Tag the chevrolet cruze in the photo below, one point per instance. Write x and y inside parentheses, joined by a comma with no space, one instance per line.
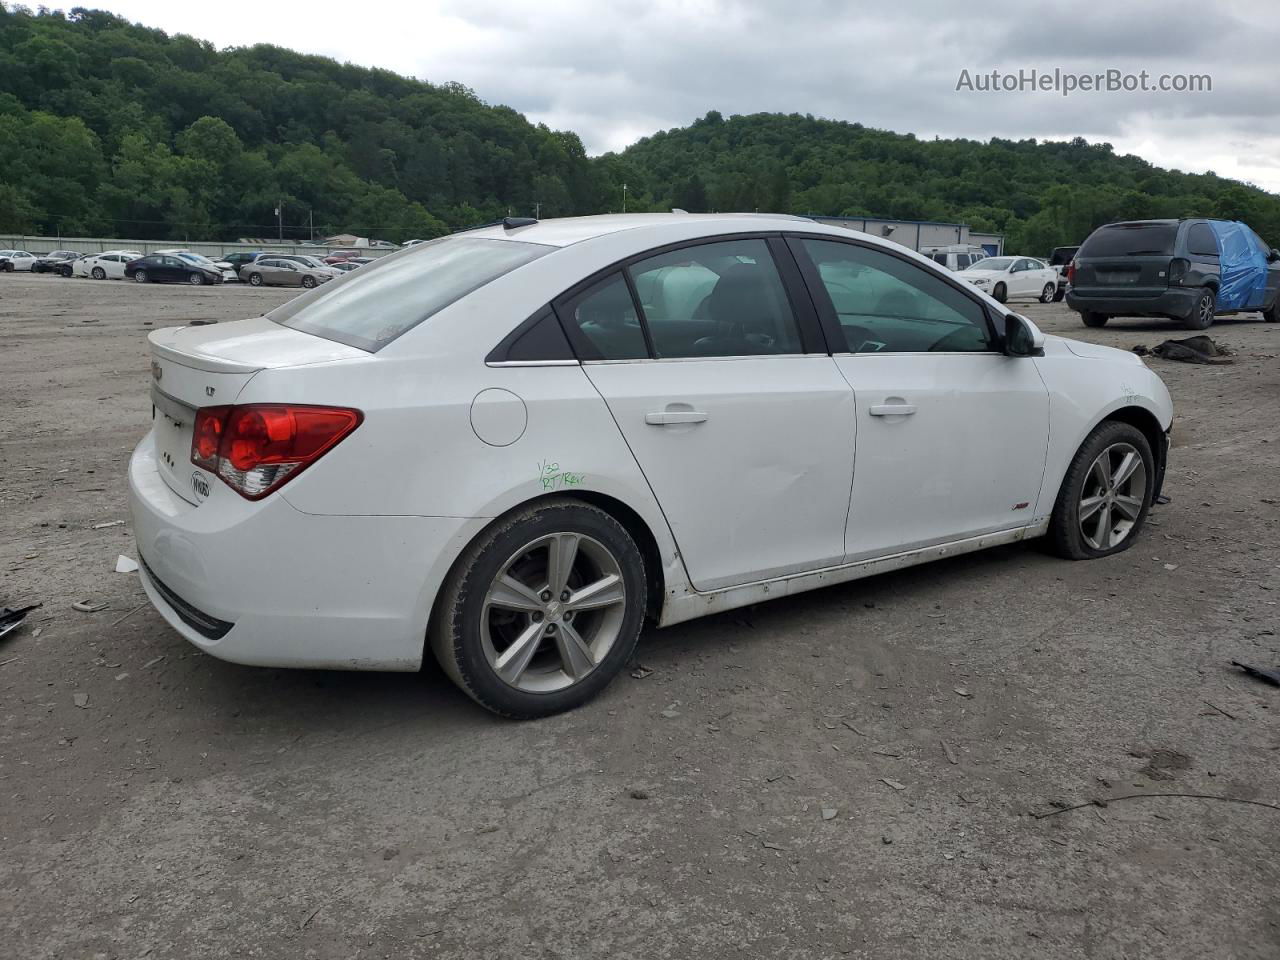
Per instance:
(515,446)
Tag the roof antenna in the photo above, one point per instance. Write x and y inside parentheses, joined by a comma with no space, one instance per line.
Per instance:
(511,223)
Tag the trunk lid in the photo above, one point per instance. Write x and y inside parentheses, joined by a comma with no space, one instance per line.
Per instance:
(1131,272)
(206,366)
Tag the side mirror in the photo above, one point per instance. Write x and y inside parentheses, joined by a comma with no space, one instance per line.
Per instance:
(1022,338)
(1273,255)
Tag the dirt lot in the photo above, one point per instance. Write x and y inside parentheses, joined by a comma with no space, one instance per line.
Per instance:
(193,808)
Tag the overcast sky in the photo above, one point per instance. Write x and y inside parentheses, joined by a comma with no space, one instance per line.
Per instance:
(616,71)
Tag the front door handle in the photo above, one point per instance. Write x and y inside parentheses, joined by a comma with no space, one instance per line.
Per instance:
(674,416)
(892,409)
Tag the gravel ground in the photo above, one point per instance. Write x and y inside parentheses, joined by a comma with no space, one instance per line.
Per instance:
(157,802)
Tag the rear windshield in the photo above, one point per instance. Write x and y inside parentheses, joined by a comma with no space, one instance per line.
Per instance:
(1130,240)
(370,307)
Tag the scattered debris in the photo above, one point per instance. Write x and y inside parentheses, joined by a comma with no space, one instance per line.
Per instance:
(1163,499)
(1266,676)
(1229,716)
(829,813)
(1199,349)
(126,564)
(88,606)
(641,671)
(311,916)
(637,794)
(120,620)
(887,753)
(390,853)
(853,728)
(962,691)
(81,700)
(769,845)
(1149,796)
(152,662)
(893,783)
(109,523)
(10,617)
(4,663)
(671,712)
(1165,765)
(886,840)
(946,748)
(1171,566)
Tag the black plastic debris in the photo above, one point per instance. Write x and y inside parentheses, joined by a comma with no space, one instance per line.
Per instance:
(10,617)
(1266,676)
(1200,349)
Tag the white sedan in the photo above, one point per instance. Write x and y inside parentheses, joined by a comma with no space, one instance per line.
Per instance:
(1009,278)
(515,446)
(13,260)
(105,266)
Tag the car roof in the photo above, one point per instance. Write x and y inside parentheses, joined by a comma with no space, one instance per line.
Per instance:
(565,231)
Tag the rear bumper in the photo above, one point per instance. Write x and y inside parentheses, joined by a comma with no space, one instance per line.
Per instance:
(265,584)
(1173,302)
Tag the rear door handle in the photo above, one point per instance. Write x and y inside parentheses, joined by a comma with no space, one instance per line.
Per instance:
(674,416)
(892,409)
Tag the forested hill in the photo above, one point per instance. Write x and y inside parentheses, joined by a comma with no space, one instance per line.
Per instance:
(110,128)
(1041,195)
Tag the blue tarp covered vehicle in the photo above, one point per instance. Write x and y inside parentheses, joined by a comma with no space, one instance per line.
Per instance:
(1243,284)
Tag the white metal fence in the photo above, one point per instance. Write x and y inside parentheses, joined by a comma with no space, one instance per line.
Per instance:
(207,248)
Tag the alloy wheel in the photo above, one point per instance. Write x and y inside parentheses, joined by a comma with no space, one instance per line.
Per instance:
(552,612)
(1206,310)
(1112,497)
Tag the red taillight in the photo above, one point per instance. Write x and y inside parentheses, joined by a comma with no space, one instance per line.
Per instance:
(1178,268)
(1071,272)
(257,447)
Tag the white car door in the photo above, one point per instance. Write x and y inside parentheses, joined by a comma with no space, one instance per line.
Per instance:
(1028,278)
(724,391)
(951,433)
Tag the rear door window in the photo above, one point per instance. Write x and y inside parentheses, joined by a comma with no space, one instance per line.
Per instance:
(1201,240)
(1130,240)
(606,317)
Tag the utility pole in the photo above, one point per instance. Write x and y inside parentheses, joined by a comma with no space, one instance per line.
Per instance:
(624,198)
(537,209)
(280,219)
(311,225)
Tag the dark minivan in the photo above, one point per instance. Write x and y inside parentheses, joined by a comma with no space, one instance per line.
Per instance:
(1186,270)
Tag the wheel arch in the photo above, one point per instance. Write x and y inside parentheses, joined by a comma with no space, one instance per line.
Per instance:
(1145,421)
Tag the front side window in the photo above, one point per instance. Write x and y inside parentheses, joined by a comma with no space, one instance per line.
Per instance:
(887,305)
(370,307)
(722,299)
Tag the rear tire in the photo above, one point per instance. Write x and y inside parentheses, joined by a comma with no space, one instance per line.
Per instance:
(1047,294)
(99,274)
(1101,509)
(140,276)
(1060,294)
(1201,315)
(308,282)
(1094,319)
(255,279)
(1000,293)
(1272,313)
(196,279)
(498,601)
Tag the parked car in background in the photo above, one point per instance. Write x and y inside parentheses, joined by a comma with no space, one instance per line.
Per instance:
(957,256)
(313,263)
(238,260)
(1013,278)
(167,268)
(412,243)
(346,266)
(645,417)
(67,268)
(338,255)
(1187,270)
(11,260)
(222,266)
(1060,260)
(106,266)
(278,272)
(48,262)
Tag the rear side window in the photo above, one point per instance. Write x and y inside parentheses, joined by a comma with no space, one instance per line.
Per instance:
(606,316)
(722,299)
(1201,241)
(370,307)
(1131,240)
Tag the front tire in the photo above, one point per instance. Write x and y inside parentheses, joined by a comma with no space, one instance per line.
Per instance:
(542,610)
(196,279)
(1201,315)
(255,279)
(1092,319)
(309,282)
(140,276)
(1001,293)
(1105,495)
(1272,313)
(1047,294)
(99,274)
